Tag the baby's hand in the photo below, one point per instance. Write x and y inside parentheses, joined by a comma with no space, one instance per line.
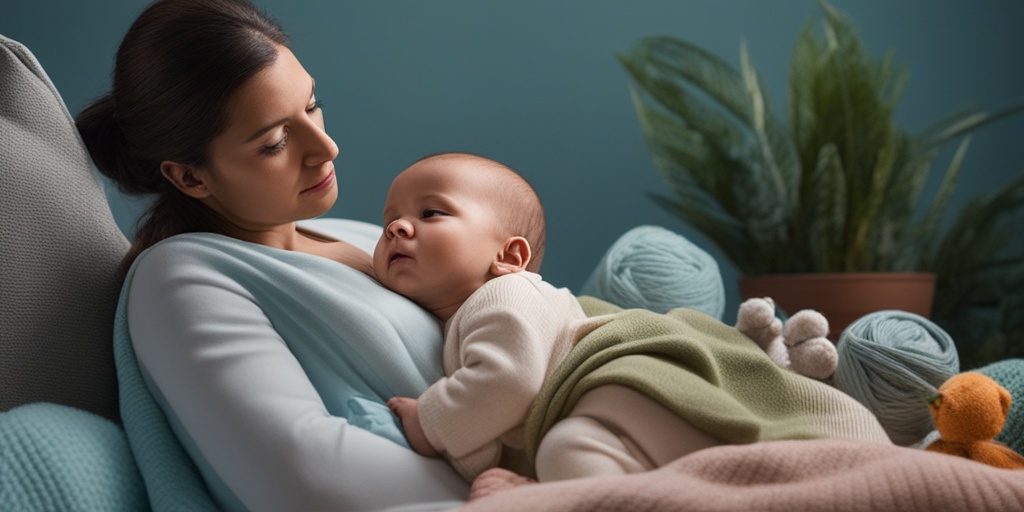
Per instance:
(407,410)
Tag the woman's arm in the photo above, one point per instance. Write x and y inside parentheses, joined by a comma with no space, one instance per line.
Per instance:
(246,409)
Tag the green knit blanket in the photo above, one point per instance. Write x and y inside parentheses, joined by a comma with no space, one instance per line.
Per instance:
(707,372)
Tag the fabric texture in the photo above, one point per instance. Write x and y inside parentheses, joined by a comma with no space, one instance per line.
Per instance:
(650,267)
(59,250)
(812,476)
(238,344)
(499,346)
(54,457)
(615,430)
(891,361)
(172,481)
(712,375)
(834,413)
(1009,373)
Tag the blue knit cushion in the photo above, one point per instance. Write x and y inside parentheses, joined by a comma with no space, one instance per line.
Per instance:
(54,457)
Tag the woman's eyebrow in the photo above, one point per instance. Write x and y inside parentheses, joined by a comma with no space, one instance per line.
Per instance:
(267,128)
(279,122)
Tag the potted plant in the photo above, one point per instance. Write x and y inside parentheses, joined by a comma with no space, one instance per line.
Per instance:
(835,192)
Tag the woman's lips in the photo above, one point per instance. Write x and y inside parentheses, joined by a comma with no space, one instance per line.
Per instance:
(324,183)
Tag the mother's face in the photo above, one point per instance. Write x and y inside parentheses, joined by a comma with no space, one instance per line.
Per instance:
(274,163)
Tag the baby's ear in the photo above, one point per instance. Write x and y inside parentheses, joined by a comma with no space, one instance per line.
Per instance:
(513,257)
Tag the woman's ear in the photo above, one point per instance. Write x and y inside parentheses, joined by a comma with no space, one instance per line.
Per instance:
(513,257)
(185,178)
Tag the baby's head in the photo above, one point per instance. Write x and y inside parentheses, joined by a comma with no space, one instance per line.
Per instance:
(452,222)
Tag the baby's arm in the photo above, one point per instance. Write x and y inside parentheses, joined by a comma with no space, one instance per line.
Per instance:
(504,338)
(407,410)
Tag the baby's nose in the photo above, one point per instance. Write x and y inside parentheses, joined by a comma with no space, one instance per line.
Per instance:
(399,227)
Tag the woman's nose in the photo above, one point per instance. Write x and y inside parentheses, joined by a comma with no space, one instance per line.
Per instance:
(322,148)
(400,228)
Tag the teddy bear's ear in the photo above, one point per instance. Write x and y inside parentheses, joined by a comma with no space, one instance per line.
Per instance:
(1005,399)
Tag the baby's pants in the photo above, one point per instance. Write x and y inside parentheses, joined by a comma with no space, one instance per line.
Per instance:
(614,430)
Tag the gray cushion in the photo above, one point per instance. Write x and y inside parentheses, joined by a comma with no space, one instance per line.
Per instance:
(59,250)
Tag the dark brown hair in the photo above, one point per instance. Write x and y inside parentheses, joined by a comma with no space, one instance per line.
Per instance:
(175,70)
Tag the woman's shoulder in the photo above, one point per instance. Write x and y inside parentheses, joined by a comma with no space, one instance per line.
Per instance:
(202,257)
(185,241)
(176,257)
(187,248)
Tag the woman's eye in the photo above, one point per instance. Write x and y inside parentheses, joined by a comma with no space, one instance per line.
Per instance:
(276,148)
(317,105)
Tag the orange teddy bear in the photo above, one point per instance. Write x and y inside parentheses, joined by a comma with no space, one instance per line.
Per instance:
(969,411)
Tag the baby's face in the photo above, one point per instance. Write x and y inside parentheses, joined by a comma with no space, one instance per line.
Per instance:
(440,233)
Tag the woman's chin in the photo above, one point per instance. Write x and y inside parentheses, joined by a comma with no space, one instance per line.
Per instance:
(324,204)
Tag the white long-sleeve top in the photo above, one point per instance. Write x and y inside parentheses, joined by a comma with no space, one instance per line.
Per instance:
(498,348)
(244,406)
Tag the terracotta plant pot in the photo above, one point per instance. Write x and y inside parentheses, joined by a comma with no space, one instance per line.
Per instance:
(844,297)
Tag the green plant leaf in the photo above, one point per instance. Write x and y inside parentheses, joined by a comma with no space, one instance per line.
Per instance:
(825,230)
(840,188)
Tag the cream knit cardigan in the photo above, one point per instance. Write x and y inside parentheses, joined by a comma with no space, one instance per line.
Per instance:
(498,349)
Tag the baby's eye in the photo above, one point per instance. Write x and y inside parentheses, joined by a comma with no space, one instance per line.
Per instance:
(431,213)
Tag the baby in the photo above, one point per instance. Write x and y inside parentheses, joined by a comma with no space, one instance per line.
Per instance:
(463,238)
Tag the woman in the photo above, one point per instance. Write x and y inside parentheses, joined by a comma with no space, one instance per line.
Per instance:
(229,304)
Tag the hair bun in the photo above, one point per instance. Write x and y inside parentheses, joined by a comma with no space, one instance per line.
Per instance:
(109,149)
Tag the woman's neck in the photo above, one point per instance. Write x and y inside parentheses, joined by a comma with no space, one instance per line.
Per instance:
(284,236)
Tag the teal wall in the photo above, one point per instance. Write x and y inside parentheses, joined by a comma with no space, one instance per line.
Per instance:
(534,83)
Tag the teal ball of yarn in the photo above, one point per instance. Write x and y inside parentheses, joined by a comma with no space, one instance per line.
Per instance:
(650,267)
(1009,373)
(891,361)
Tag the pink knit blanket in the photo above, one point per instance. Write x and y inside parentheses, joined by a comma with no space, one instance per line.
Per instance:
(817,475)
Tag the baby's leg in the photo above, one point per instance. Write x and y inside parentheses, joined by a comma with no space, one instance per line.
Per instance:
(614,430)
(580,446)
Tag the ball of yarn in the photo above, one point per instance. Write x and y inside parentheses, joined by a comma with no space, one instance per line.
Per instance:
(891,361)
(652,268)
(1009,373)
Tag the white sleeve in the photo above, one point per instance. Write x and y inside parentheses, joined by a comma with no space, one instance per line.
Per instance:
(506,340)
(249,410)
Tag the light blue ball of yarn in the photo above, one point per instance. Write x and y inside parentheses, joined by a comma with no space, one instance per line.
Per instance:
(891,361)
(650,267)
